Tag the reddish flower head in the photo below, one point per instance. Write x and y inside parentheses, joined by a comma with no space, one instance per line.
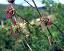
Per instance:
(11,1)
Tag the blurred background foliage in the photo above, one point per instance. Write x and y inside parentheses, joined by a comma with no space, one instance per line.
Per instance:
(39,39)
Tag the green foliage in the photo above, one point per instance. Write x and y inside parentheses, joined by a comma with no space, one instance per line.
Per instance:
(39,39)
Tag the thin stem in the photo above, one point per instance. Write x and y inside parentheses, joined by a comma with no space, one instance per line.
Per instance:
(58,28)
(28,3)
(36,8)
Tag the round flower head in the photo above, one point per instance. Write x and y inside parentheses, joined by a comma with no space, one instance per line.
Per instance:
(11,1)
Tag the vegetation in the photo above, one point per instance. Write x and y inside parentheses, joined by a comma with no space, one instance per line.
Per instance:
(28,35)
